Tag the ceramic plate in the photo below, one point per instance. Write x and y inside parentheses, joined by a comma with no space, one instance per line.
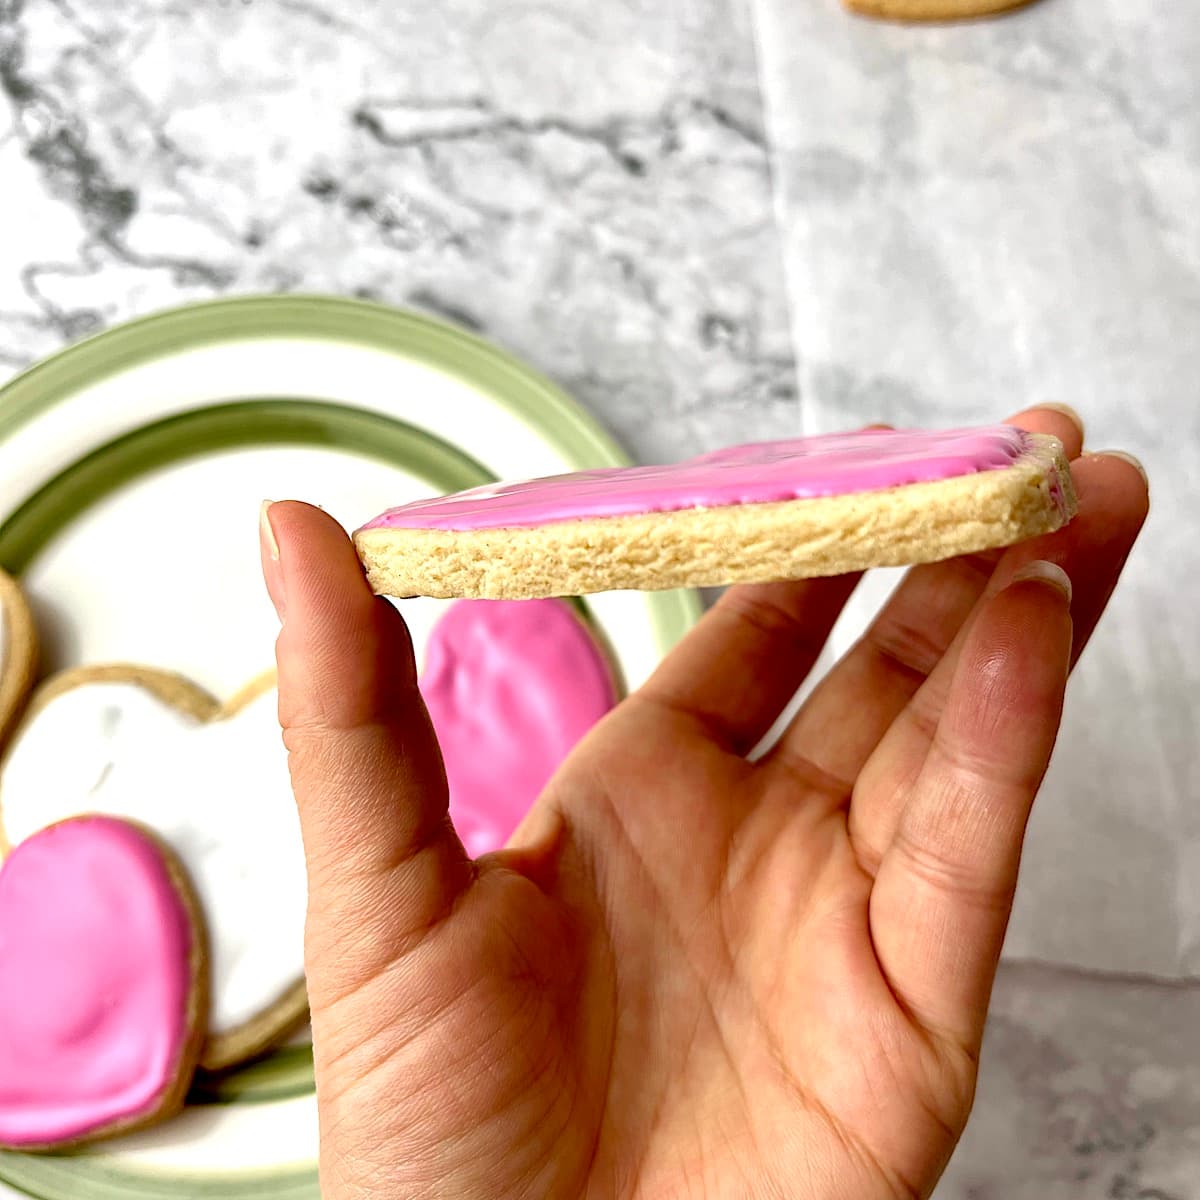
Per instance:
(132,467)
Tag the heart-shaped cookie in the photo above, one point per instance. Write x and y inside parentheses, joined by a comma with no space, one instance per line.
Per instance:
(102,984)
(212,782)
(18,654)
(511,687)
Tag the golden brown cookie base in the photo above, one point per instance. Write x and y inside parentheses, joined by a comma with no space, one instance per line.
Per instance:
(747,543)
(18,655)
(932,10)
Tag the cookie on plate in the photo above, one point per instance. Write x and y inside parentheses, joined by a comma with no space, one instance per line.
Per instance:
(18,653)
(774,510)
(212,782)
(103,984)
(511,686)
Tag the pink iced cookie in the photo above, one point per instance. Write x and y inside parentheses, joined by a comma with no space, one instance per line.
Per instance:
(775,510)
(511,686)
(102,984)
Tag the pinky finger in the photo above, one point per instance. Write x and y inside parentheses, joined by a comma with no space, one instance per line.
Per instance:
(943,893)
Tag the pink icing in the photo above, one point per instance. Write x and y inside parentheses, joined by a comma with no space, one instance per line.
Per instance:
(831,465)
(511,686)
(95,981)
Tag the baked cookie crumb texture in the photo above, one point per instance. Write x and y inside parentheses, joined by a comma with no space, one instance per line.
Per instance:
(933,10)
(18,655)
(786,510)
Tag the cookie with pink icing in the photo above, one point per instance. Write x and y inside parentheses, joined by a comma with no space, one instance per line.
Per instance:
(776,510)
(211,781)
(103,984)
(18,654)
(511,687)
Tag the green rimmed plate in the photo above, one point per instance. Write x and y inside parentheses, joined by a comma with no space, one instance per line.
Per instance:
(131,471)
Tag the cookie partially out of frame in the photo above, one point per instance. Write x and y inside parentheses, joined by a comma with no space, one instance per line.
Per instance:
(103,984)
(211,781)
(778,510)
(18,654)
(932,10)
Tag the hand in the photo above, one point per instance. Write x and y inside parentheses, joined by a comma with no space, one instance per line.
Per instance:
(689,974)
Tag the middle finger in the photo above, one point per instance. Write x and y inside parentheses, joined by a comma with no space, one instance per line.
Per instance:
(851,709)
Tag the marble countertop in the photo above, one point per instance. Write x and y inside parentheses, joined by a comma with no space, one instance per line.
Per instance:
(720,220)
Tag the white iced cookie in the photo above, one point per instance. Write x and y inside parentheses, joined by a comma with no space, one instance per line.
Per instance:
(18,654)
(212,782)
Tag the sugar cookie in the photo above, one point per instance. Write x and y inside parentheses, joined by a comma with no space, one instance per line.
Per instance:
(932,10)
(18,654)
(211,781)
(774,510)
(511,686)
(102,984)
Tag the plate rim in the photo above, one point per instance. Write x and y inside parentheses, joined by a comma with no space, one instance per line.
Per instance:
(503,377)
(264,315)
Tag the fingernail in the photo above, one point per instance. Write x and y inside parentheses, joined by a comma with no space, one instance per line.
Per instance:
(1068,412)
(1126,457)
(1040,571)
(272,572)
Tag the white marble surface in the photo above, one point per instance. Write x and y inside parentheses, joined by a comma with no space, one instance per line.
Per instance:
(978,217)
(587,184)
(680,211)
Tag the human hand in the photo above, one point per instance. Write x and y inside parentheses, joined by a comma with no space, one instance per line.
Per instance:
(689,974)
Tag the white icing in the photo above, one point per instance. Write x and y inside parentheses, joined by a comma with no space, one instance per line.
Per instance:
(218,794)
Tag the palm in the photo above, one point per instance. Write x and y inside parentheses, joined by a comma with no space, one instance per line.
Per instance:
(753,1040)
(646,1005)
(690,974)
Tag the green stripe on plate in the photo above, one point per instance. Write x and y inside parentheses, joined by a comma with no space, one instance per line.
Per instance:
(201,431)
(282,1075)
(74,1177)
(444,348)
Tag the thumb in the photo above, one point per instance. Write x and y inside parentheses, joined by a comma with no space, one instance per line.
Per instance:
(384,863)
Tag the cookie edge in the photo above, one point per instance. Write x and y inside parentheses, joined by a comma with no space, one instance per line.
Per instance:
(20,659)
(930,11)
(979,511)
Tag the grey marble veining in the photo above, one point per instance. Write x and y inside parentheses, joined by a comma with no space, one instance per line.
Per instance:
(1086,1092)
(586,184)
(970,218)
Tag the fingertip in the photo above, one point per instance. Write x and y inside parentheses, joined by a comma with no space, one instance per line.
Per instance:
(318,564)
(301,529)
(1058,420)
(1049,575)
(342,650)
(269,552)
(1127,461)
